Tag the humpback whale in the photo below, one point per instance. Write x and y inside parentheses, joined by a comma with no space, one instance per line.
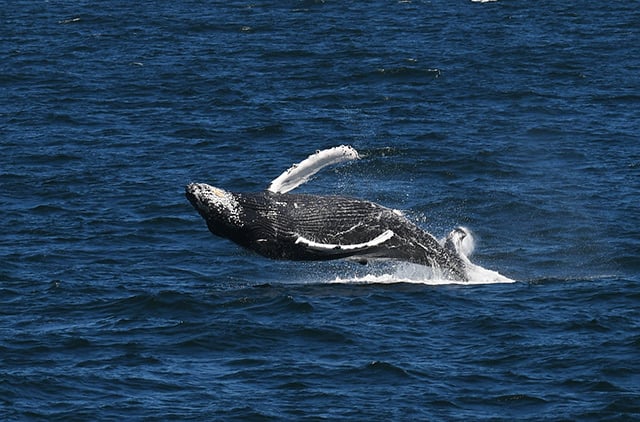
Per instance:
(303,227)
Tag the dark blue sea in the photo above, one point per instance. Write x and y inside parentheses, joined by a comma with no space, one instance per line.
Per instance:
(517,119)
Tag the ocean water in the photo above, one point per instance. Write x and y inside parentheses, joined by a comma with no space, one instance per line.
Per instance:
(517,119)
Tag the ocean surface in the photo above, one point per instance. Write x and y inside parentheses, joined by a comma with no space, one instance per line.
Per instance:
(517,119)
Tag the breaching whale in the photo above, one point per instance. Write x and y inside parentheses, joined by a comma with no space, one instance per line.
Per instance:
(282,225)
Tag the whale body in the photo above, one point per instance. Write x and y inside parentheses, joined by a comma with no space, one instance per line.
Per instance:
(277,224)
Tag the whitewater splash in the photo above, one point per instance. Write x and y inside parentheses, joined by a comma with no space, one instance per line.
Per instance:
(419,274)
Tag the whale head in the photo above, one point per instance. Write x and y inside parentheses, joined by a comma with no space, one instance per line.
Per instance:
(220,209)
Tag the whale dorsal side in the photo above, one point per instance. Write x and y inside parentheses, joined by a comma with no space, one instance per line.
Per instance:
(299,173)
(357,247)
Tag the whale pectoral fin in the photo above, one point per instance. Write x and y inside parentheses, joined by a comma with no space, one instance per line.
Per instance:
(339,249)
(301,172)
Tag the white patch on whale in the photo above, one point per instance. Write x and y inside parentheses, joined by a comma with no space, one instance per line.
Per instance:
(378,240)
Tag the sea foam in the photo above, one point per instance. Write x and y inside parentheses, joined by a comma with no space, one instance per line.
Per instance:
(404,272)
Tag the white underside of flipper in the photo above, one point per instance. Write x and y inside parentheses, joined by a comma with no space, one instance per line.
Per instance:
(333,247)
(301,172)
